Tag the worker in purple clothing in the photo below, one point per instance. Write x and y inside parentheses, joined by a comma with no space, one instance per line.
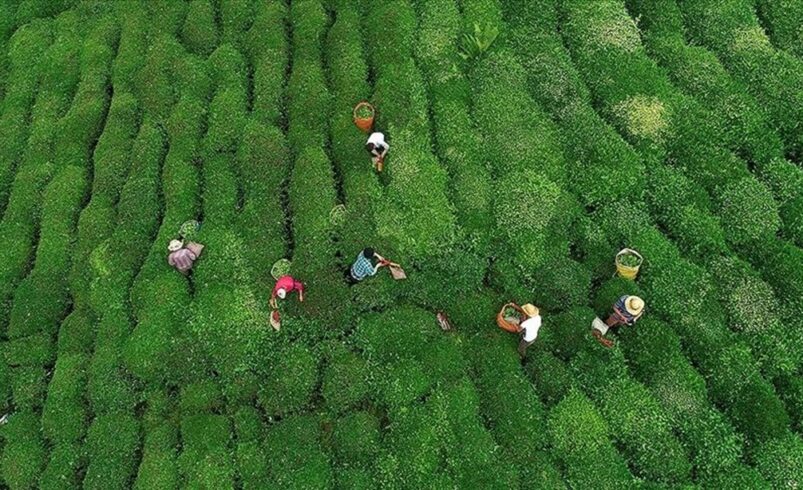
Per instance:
(182,257)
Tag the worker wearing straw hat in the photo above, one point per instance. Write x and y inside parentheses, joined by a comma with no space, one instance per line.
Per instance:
(529,328)
(182,257)
(626,311)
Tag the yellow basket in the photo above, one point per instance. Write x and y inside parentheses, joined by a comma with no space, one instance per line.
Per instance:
(628,271)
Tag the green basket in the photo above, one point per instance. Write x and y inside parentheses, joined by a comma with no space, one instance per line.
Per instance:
(280,268)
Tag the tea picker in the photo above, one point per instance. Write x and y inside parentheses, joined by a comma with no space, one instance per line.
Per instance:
(183,256)
(368,263)
(525,320)
(626,311)
(284,285)
(378,148)
(364,114)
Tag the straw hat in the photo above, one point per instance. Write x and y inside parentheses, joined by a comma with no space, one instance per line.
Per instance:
(530,310)
(281,293)
(634,305)
(175,245)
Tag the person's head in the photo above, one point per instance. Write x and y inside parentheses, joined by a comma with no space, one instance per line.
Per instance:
(530,310)
(368,253)
(369,147)
(634,305)
(281,293)
(175,245)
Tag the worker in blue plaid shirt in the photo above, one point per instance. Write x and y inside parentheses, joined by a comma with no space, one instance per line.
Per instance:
(365,266)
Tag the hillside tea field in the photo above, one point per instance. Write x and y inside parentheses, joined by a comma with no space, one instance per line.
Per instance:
(530,141)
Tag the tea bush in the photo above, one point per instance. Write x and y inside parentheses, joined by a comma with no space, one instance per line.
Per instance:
(347,72)
(291,381)
(204,460)
(28,43)
(112,442)
(732,30)
(199,32)
(345,380)
(782,20)
(267,48)
(24,452)
(579,436)
(296,457)
(157,468)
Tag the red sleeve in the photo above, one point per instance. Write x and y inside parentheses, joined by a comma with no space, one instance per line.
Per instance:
(299,286)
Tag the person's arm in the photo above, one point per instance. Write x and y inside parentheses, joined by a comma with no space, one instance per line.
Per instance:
(272,301)
(385,149)
(301,291)
(382,262)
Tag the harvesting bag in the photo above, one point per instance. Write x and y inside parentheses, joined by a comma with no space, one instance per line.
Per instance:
(275,321)
(397,272)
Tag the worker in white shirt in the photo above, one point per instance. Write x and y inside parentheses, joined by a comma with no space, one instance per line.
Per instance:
(529,328)
(378,148)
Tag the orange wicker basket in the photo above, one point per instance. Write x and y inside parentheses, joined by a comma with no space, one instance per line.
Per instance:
(364,123)
(504,324)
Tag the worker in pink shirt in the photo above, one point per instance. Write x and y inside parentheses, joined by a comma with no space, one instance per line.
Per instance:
(182,256)
(286,284)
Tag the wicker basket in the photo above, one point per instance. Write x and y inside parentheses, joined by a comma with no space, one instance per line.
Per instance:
(504,324)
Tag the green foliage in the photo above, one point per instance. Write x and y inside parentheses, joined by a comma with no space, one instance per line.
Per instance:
(748,212)
(112,442)
(476,43)
(732,30)
(640,423)
(530,213)
(24,455)
(199,32)
(415,214)
(345,380)
(781,461)
(356,438)
(60,473)
(297,460)
(530,141)
(158,468)
(580,440)
(64,417)
(290,382)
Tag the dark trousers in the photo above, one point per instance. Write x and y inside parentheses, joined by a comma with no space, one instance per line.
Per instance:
(349,278)
(523,344)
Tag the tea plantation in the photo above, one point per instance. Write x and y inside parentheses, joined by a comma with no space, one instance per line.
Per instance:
(530,141)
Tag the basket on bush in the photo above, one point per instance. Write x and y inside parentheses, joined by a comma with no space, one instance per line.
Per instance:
(510,317)
(280,268)
(364,116)
(628,262)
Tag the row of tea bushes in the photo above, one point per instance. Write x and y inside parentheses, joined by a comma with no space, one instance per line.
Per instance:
(741,120)
(22,84)
(24,456)
(732,30)
(414,214)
